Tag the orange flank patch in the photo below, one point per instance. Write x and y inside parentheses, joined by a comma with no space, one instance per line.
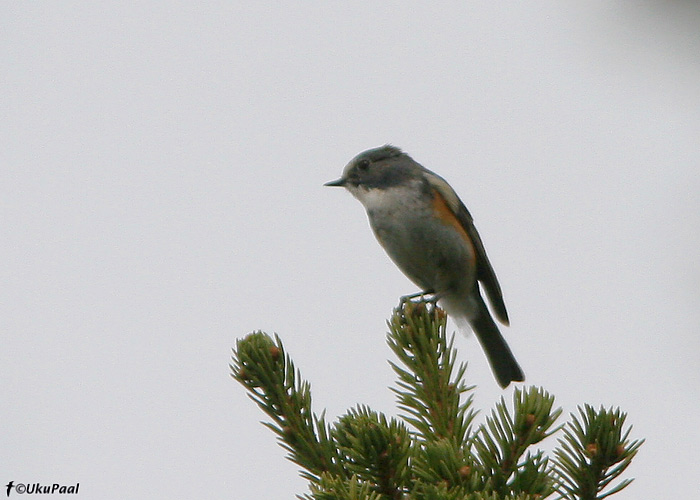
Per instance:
(445,214)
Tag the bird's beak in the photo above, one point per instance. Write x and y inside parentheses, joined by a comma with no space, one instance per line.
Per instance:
(339,183)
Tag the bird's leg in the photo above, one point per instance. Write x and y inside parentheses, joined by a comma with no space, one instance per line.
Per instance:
(427,300)
(433,299)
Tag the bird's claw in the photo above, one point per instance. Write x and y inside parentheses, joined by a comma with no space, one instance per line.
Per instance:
(426,296)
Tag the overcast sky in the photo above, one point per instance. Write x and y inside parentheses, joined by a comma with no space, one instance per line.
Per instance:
(161,196)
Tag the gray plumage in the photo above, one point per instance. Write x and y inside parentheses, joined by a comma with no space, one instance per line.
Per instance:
(430,235)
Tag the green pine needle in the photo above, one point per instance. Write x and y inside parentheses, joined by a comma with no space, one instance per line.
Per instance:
(433,452)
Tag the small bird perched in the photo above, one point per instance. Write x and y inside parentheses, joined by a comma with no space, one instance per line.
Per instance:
(429,234)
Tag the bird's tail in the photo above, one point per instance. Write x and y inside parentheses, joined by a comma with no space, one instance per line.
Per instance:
(500,357)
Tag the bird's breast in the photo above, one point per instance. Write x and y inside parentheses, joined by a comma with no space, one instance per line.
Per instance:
(423,243)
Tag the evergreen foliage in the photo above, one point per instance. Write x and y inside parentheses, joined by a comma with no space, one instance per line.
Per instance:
(434,451)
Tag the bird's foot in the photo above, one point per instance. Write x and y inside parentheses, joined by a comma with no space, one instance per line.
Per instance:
(426,296)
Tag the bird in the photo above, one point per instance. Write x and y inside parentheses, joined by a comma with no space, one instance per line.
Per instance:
(430,235)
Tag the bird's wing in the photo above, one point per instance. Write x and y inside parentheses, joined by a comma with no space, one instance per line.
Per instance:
(484,271)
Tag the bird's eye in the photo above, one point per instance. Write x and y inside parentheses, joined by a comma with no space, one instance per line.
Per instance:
(363,164)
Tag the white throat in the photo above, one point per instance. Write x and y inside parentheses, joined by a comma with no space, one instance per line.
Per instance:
(375,199)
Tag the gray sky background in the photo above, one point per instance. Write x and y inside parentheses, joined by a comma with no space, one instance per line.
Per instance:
(161,196)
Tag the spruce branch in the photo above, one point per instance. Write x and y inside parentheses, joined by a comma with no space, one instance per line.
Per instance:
(594,452)
(429,390)
(377,450)
(261,365)
(504,438)
(433,451)
(331,487)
